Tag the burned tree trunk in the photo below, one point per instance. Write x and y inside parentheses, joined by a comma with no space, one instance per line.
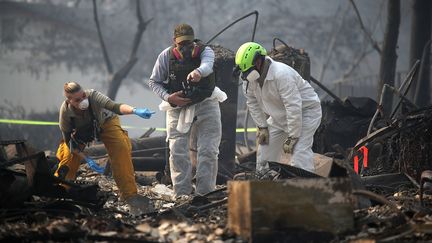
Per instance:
(117,77)
(420,35)
(389,56)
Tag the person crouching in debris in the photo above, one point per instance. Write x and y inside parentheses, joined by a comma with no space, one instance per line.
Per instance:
(283,105)
(183,78)
(88,115)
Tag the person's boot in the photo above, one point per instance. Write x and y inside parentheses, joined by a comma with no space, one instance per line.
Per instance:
(139,204)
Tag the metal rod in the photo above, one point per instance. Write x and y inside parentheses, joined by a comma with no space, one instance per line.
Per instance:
(379,108)
(410,73)
(373,120)
(409,77)
(404,98)
(255,12)
(326,90)
(281,41)
(149,151)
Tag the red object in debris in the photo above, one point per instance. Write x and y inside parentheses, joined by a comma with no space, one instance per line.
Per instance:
(363,150)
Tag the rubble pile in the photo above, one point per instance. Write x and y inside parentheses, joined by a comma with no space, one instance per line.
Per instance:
(42,218)
(343,124)
(189,219)
(382,223)
(222,53)
(394,183)
(404,145)
(415,142)
(296,58)
(192,219)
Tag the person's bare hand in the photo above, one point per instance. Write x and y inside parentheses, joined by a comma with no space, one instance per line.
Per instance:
(178,99)
(194,76)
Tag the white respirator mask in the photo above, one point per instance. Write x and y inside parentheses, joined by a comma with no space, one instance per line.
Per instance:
(252,76)
(84,104)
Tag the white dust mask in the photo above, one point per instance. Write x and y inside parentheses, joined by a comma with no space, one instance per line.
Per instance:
(253,76)
(84,104)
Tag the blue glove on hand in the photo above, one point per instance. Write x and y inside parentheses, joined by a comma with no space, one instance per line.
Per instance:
(92,164)
(143,112)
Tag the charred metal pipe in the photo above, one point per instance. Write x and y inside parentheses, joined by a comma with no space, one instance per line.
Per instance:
(403,97)
(326,90)
(408,82)
(149,152)
(378,110)
(99,150)
(234,22)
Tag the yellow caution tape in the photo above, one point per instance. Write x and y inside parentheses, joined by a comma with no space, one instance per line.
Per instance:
(249,129)
(48,123)
(28,122)
(159,129)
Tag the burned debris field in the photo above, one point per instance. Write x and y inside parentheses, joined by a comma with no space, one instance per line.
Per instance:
(390,202)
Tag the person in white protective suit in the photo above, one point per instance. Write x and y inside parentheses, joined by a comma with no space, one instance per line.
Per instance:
(183,78)
(284,106)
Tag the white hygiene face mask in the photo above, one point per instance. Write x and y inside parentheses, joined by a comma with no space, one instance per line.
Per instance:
(84,104)
(253,76)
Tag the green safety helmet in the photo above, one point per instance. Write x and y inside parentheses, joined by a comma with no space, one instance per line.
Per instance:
(247,54)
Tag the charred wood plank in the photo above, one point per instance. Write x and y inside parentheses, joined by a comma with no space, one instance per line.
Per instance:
(4,164)
(260,207)
(148,164)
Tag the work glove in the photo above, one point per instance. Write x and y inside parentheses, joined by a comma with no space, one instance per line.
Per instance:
(143,112)
(262,135)
(288,146)
(94,166)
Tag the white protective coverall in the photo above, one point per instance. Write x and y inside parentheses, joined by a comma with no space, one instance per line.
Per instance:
(289,107)
(205,115)
(206,118)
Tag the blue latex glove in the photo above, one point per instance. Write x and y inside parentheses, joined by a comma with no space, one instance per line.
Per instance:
(94,166)
(143,112)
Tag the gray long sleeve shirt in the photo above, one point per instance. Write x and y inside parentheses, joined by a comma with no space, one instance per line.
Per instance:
(159,76)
